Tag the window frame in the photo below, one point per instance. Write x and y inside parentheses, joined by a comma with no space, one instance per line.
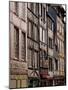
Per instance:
(23,59)
(56,64)
(43,9)
(33,31)
(50,23)
(16,49)
(50,43)
(50,64)
(43,37)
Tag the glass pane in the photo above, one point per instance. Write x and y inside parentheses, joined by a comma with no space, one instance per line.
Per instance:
(16,41)
(18,84)
(23,50)
(44,36)
(35,33)
(29,55)
(35,58)
(40,34)
(29,29)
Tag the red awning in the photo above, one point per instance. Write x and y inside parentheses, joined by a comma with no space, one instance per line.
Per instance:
(46,75)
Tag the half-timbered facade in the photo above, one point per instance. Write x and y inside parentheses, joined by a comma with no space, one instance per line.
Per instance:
(36,45)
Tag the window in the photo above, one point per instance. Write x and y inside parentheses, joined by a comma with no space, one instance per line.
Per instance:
(36,59)
(29,28)
(35,32)
(43,35)
(50,43)
(50,64)
(18,83)
(50,24)
(41,10)
(56,64)
(29,56)
(61,65)
(23,47)
(42,58)
(43,13)
(23,11)
(32,7)
(58,41)
(32,58)
(37,9)
(16,8)
(16,41)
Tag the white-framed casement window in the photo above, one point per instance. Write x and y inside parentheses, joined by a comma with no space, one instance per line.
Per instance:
(16,41)
(43,35)
(23,46)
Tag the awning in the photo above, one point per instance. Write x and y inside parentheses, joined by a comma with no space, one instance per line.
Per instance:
(45,75)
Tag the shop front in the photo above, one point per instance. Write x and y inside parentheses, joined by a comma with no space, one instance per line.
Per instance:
(59,80)
(46,79)
(33,82)
(33,78)
(18,75)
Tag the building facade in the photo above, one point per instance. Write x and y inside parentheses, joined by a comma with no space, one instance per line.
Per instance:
(36,45)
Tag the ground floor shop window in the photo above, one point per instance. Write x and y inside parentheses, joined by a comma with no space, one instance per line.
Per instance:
(33,82)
